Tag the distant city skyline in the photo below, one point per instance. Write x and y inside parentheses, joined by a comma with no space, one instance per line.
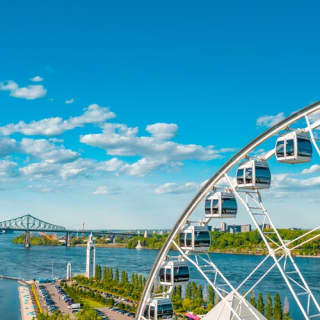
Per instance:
(114,116)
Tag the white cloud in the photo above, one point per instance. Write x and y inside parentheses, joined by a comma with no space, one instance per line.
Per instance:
(293,183)
(40,169)
(162,131)
(104,190)
(80,167)
(56,126)
(67,170)
(44,150)
(36,79)
(155,151)
(69,101)
(8,169)
(143,166)
(175,188)
(30,92)
(312,169)
(111,165)
(269,121)
(7,146)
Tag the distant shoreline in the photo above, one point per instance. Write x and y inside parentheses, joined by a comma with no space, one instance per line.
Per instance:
(123,246)
(104,245)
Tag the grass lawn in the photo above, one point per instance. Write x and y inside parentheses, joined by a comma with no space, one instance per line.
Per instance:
(92,304)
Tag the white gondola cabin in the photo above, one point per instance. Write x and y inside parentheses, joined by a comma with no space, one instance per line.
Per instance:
(159,308)
(294,147)
(254,174)
(220,205)
(173,272)
(195,238)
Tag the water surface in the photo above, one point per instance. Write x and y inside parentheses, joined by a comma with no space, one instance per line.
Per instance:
(43,262)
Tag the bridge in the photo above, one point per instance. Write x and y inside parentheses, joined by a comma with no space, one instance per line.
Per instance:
(29,223)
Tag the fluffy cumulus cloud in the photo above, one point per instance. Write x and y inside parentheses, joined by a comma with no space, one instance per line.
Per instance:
(8,169)
(111,165)
(44,150)
(175,188)
(48,158)
(65,171)
(292,183)
(30,92)
(105,190)
(314,168)
(155,150)
(269,121)
(80,167)
(144,166)
(36,79)
(7,146)
(56,125)
(40,169)
(162,131)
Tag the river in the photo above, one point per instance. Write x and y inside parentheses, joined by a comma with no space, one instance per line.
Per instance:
(43,262)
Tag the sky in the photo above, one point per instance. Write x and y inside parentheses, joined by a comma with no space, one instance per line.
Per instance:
(114,113)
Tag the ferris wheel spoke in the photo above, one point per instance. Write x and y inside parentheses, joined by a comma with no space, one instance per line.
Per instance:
(224,298)
(312,135)
(272,251)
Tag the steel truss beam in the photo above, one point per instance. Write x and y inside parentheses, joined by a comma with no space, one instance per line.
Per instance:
(29,223)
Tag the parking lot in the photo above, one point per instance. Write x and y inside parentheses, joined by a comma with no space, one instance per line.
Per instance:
(45,299)
(112,314)
(53,297)
(60,300)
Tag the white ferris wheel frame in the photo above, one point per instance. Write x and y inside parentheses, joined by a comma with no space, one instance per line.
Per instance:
(253,204)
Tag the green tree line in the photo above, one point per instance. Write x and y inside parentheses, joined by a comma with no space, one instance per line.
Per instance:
(244,242)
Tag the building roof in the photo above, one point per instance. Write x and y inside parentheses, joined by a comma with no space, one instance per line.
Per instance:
(222,312)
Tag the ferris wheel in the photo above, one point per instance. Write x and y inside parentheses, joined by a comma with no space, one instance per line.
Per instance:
(191,239)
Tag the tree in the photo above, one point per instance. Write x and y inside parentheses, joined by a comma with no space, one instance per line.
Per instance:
(277,309)
(260,304)
(253,299)
(117,275)
(199,296)
(189,291)
(98,272)
(269,309)
(211,295)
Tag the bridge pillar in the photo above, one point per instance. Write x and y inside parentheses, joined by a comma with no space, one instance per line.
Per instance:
(68,239)
(27,240)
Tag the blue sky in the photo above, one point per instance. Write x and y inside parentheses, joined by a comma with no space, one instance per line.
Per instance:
(113,114)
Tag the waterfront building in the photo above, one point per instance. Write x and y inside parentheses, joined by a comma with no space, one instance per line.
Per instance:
(91,258)
(234,229)
(145,234)
(245,227)
(69,275)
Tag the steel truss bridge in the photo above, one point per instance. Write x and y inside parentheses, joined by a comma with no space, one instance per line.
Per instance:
(33,224)
(29,223)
